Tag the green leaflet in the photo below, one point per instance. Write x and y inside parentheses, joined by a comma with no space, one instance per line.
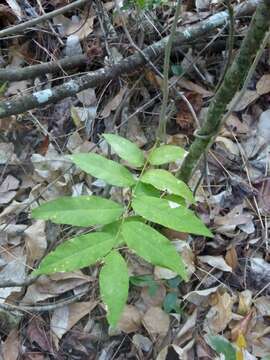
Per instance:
(165,181)
(222,346)
(153,247)
(114,283)
(169,214)
(125,149)
(102,168)
(175,198)
(79,211)
(166,154)
(77,253)
(145,189)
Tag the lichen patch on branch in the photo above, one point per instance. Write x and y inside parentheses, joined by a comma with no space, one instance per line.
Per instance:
(43,96)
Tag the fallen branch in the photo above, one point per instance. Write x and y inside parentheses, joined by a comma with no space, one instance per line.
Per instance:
(233,80)
(30,23)
(30,72)
(126,66)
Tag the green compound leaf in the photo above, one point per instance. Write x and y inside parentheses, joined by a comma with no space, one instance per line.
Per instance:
(166,154)
(165,181)
(77,253)
(79,211)
(114,283)
(222,346)
(125,149)
(153,247)
(169,214)
(102,168)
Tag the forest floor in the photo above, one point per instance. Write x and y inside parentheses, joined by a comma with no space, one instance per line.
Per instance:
(227,293)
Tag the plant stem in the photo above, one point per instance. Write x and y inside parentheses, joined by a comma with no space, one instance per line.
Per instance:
(233,80)
(165,83)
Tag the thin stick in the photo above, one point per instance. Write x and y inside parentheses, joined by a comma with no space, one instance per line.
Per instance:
(230,43)
(30,23)
(161,133)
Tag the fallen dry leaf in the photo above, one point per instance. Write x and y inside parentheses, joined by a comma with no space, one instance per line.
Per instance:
(46,287)
(187,255)
(35,241)
(7,155)
(113,103)
(175,352)
(259,272)
(264,197)
(11,346)
(87,97)
(15,8)
(14,270)
(228,145)
(198,297)
(17,87)
(12,209)
(11,234)
(142,342)
(263,125)
(37,333)
(244,302)
(236,217)
(220,314)
(235,125)
(75,26)
(263,85)
(7,189)
(189,85)
(261,346)
(202,4)
(248,98)
(135,132)
(155,299)
(163,273)
(156,322)
(64,318)
(242,326)
(130,320)
(262,304)
(84,117)
(231,257)
(216,262)
(184,117)
(187,330)
(154,80)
